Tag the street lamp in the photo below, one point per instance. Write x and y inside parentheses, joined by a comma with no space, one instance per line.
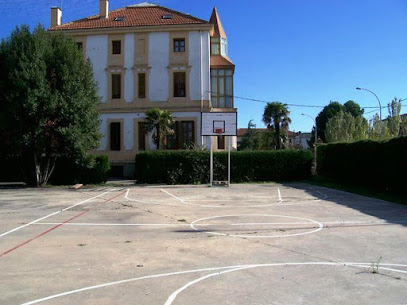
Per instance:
(315,143)
(380,106)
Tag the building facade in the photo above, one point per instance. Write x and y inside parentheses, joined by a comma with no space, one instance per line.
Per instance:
(146,56)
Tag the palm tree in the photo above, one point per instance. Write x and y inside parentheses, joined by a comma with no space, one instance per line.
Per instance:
(276,117)
(160,122)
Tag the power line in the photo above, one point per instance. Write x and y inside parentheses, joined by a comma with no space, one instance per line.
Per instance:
(292,105)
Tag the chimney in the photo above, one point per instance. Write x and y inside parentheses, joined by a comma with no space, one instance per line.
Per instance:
(56,16)
(104,8)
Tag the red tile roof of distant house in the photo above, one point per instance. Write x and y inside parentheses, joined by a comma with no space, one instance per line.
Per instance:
(133,16)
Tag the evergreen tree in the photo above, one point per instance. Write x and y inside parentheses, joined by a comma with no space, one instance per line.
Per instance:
(48,101)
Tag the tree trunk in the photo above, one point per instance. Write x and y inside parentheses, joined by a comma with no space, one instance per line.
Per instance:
(277,128)
(43,172)
(158,138)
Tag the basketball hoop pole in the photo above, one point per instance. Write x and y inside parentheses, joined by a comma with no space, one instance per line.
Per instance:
(211,164)
(229,161)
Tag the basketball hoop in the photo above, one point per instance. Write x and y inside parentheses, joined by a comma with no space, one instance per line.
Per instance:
(219,131)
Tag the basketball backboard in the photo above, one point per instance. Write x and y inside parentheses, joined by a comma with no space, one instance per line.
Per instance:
(219,123)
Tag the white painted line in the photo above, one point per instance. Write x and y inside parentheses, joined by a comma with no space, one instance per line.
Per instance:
(146,202)
(235,268)
(320,226)
(174,295)
(168,193)
(52,214)
(269,223)
(186,202)
(279,195)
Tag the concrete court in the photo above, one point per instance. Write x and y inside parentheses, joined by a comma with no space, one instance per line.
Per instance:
(251,244)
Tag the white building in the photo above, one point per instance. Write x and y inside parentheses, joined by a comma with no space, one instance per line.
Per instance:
(146,56)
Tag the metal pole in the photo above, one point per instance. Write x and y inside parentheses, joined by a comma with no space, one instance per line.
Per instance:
(211,164)
(380,107)
(315,143)
(229,137)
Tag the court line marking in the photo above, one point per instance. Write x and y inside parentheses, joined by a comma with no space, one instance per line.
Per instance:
(364,265)
(279,195)
(320,226)
(172,195)
(392,222)
(147,202)
(52,214)
(228,206)
(52,229)
(174,295)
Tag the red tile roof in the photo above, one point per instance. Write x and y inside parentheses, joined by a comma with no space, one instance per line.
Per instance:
(220,61)
(133,17)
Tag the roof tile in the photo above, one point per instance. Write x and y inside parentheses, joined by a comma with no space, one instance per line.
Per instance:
(133,17)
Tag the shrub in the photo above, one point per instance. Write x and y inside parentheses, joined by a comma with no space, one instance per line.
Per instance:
(378,164)
(192,167)
(93,170)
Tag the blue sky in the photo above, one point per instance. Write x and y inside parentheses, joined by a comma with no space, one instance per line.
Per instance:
(304,52)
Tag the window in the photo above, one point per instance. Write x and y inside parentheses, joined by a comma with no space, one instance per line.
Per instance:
(117,46)
(141,136)
(141,46)
(224,46)
(179,84)
(215,46)
(221,142)
(79,45)
(184,135)
(116,86)
(187,133)
(172,140)
(222,88)
(179,45)
(141,85)
(115,135)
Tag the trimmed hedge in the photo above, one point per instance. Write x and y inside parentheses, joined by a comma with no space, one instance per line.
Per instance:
(192,167)
(94,170)
(378,164)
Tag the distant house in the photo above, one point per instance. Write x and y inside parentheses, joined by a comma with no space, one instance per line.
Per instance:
(294,139)
(299,139)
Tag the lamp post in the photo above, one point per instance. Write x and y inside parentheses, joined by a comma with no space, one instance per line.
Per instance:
(314,170)
(380,107)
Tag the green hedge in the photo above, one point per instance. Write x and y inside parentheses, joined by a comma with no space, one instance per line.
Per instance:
(192,167)
(94,170)
(378,164)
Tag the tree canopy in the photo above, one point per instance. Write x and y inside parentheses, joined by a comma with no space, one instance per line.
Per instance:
(160,123)
(276,116)
(48,101)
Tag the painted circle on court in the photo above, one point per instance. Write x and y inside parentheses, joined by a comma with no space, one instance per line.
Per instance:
(255,223)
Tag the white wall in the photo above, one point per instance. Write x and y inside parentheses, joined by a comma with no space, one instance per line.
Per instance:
(97,52)
(195,62)
(159,55)
(129,135)
(129,64)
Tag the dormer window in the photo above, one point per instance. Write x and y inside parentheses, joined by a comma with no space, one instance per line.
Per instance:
(215,46)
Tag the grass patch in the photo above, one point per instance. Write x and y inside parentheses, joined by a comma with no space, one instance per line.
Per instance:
(357,189)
